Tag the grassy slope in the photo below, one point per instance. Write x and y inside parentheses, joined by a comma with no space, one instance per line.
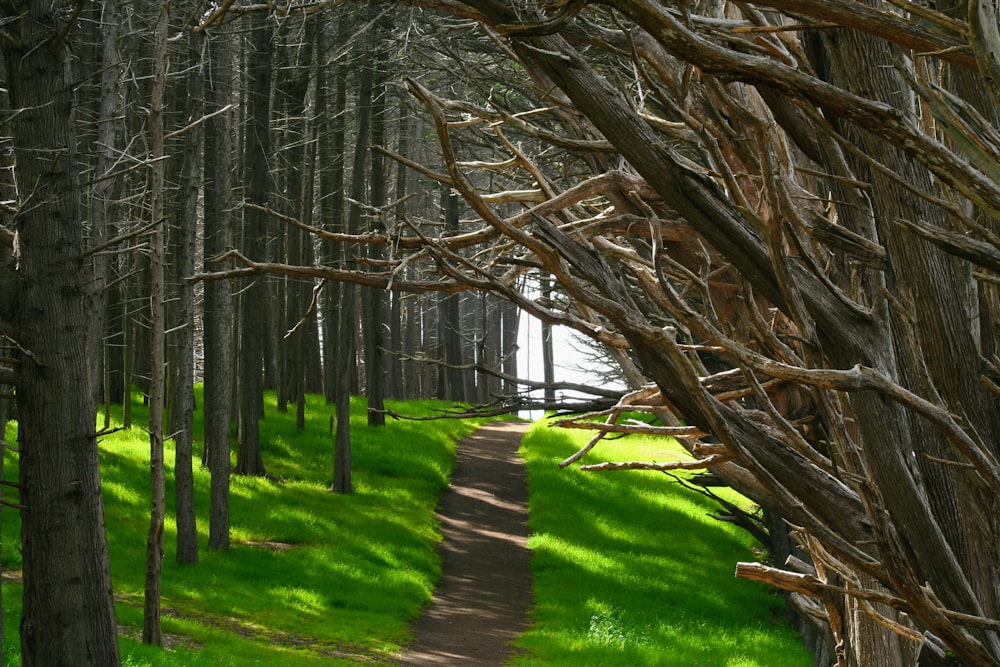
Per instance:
(629,570)
(342,575)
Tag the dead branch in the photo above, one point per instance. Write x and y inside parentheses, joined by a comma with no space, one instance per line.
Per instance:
(701,464)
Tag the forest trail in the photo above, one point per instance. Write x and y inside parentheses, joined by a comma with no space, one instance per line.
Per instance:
(481,603)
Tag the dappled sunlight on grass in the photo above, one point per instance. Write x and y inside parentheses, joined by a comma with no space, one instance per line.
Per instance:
(124,494)
(299,600)
(310,573)
(630,570)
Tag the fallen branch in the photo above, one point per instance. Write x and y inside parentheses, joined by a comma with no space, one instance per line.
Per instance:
(707,462)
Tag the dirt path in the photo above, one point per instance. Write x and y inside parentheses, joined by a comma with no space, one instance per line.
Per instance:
(481,603)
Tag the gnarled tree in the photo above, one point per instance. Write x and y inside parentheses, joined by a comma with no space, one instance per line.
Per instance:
(786,213)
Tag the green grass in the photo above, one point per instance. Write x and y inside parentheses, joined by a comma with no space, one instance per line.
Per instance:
(630,570)
(311,575)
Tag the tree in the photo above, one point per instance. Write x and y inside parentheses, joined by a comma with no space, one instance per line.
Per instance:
(218,310)
(296,150)
(908,436)
(332,103)
(105,191)
(183,251)
(451,341)
(373,302)
(68,612)
(786,213)
(152,632)
(348,309)
(257,142)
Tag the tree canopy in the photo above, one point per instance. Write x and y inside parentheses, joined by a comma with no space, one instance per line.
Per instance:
(785,214)
(781,219)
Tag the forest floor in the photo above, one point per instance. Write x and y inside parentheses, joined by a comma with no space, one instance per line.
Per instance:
(482,602)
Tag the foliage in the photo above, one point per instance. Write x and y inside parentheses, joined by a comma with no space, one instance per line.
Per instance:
(310,573)
(630,569)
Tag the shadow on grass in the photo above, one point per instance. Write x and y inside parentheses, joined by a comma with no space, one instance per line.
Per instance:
(351,572)
(630,570)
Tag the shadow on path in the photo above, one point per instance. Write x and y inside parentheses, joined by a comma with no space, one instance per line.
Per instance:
(481,603)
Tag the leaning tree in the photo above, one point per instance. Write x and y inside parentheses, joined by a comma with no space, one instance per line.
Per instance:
(786,214)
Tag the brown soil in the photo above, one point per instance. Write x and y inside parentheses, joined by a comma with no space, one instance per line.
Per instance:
(481,603)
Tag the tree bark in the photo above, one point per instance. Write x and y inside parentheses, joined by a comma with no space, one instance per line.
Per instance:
(373,301)
(510,322)
(68,613)
(394,362)
(249,458)
(452,377)
(548,350)
(961,561)
(218,311)
(349,315)
(332,148)
(184,249)
(294,90)
(104,204)
(152,632)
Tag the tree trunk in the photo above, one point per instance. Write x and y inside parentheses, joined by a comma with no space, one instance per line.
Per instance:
(347,357)
(510,322)
(962,562)
(451,354)
(394,361)
(373,301)
(151,630)
(218,312)
(332,148)
(104,204)
(184,245)
(68,613)
(298,156)
(306,332)
(548,351)
(249,458)
(346,364)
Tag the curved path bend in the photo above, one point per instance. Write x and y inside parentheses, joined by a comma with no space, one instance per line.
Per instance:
(481,603)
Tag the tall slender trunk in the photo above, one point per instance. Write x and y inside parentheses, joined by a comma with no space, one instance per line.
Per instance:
(151,629)
(249,458)
(492,345)
(104,205)
(347,357)
(306,332)
(218,313)
(510,323)
(373,301)
(450,340)
(345,365)
(332,147)
(548,351)
(394,363)
(293,90)
(184,247)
